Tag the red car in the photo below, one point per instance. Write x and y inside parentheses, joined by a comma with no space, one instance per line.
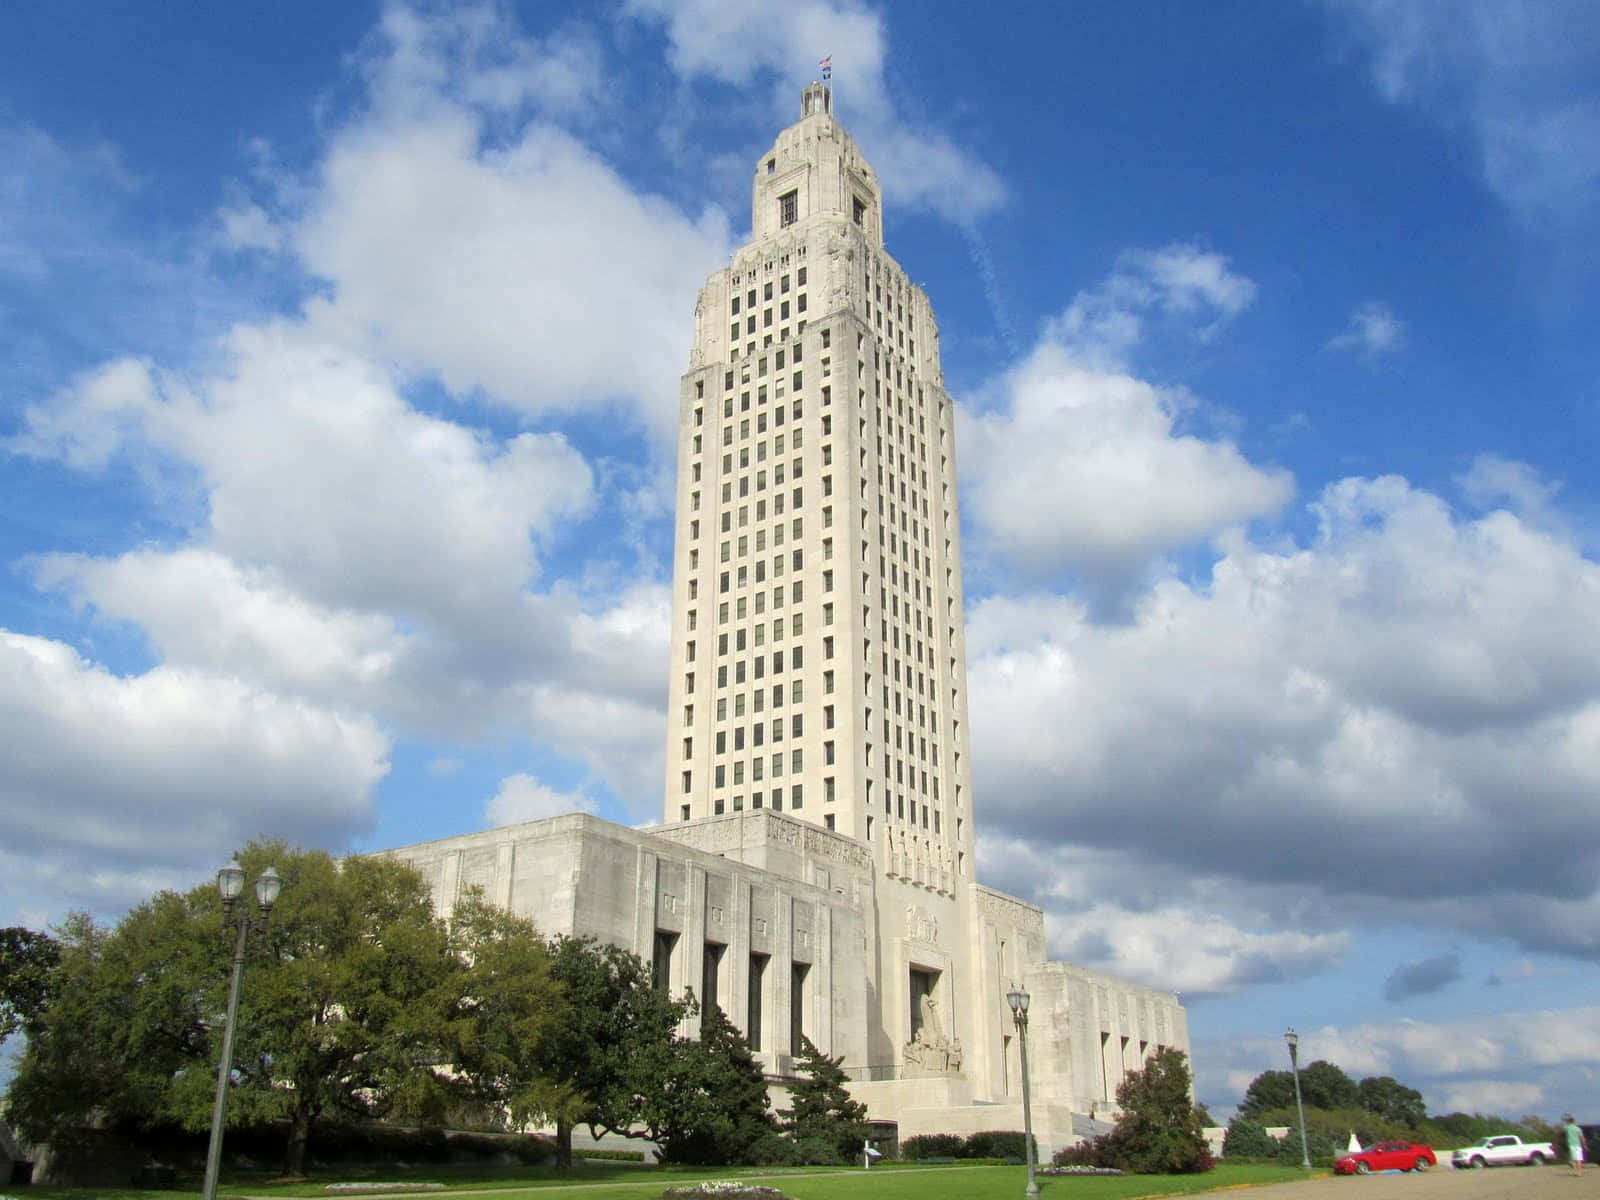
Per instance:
(1386,1156)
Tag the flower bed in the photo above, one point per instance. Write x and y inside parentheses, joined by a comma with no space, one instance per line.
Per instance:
(723,1189)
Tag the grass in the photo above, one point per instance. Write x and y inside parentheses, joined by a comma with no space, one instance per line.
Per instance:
(595,1181)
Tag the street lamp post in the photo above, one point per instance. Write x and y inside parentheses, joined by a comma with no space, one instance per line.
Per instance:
(230,882)
(1293,1039)
(1018,999)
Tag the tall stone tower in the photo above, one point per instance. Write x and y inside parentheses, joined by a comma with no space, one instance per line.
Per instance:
(818,656)
(813,874)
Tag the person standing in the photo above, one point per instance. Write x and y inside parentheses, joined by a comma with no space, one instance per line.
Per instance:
(1574,1137)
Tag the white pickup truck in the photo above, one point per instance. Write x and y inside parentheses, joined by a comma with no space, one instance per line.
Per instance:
(1503,1150)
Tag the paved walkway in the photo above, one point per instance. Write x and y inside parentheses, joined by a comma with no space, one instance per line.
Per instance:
(1441,1183)
(1497,1183)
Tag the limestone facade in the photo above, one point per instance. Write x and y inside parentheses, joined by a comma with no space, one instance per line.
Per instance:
(813,872)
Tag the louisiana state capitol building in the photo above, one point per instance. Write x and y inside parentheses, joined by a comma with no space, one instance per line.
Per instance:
(814,871)
(817,626)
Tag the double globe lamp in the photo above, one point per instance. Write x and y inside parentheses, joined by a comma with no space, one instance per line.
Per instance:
(230,882)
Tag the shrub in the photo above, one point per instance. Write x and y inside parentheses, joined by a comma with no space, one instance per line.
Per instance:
(772,1149)
(996,1143)
(1249,1140)
(1085,1154)
(933,1145)
(820,1152)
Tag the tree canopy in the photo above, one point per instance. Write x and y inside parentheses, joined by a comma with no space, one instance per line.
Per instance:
(1378,1108)
(611,1055)
(1322,1085)
(1384,1096)
(27,972)
(358,1002)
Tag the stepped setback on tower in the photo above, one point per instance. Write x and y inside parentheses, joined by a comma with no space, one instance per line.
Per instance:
(813,875)
(817,625)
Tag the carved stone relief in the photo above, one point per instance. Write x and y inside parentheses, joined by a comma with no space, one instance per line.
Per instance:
(931,1052)
(921,924)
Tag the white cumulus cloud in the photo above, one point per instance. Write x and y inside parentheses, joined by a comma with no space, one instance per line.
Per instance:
(523,798)
(1405,660)
(153,775)
(1373,330)
(921,167)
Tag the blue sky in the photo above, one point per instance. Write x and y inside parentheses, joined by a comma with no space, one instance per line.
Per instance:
(340,365)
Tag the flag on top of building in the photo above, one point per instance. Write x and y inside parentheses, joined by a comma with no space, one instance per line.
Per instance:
(826,63)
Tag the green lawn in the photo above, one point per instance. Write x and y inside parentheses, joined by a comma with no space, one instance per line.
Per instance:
(613,1182)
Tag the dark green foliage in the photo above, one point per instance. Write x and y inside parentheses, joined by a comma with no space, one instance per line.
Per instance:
(933,1145)
(509,1011)
(355,1003)
(715,1108)
(28,962)
(1533,1128)
(1159,1132)
(1338,1124)
(1322,1085)
(1460,1129)
(130,1022)
(1248,1139)
(1383,1096)
(1269,1091)
(997,1143)
(1323,1145)
(816,1152)
(379,1143)
(822,1111)
(612,1052)
(355,1007)
(1082,1154)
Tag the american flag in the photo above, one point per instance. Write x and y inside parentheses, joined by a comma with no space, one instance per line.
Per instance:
(826,64)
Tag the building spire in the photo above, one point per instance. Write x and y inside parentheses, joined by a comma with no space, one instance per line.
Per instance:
(816,100)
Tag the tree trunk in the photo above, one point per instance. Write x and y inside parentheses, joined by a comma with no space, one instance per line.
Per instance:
(563,1144)
(294,1162)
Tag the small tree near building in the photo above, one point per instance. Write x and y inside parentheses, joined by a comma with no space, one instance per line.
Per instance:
(612,1055)
(1248,1139)
(715,1109)
(1159,1132)
(824,1122)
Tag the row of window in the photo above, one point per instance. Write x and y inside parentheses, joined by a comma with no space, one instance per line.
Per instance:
(773,799)
(894,308)
(766,291)
(767,314)
(757,699)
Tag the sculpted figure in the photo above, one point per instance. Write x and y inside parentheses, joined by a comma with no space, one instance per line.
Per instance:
(932,1032)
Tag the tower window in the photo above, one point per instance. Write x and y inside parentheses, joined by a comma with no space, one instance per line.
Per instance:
(789,208)
(858,209)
